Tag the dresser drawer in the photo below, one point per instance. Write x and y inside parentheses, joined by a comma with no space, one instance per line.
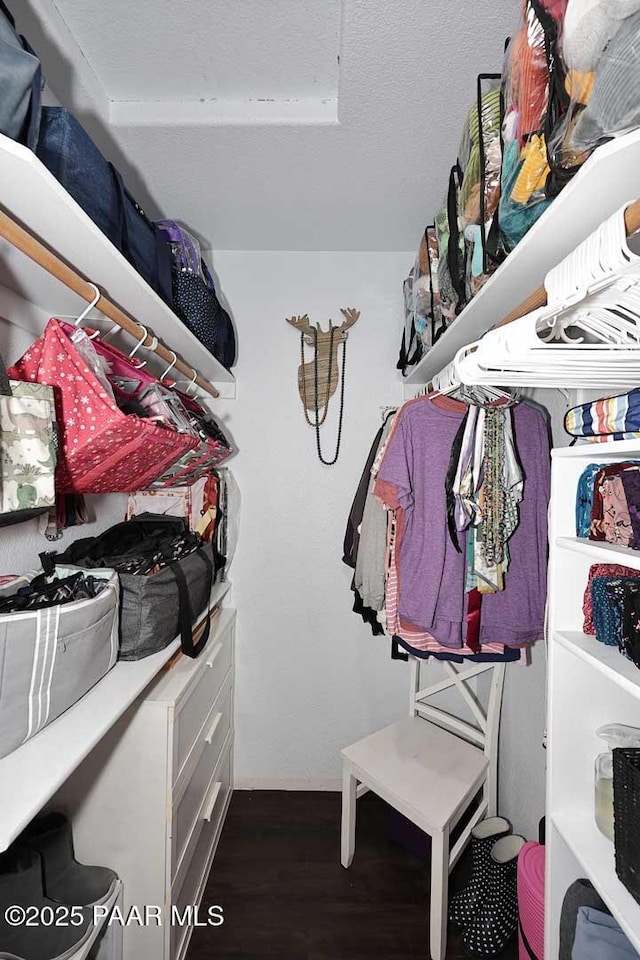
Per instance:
(209,816)
(190,794)
(193,711)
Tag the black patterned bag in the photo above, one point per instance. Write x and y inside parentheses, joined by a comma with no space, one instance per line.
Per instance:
(194,295)
(200,310)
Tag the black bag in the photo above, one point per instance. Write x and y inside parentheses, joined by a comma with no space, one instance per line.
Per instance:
(197,305)
(67,150)
(490,241)
(156,607)
(456,246)
(20,84)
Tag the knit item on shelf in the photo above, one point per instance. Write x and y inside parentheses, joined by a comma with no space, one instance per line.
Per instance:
(607,597)
(588,27)
(531,900)
(581,893)
(600,936)
(614,106)
(609,570)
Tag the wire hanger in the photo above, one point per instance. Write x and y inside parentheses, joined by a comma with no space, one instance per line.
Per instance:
(78,321)
(170,367)
(87,310)
(152,346)
(192,383)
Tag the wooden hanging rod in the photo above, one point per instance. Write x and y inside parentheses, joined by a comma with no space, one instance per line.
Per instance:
(33,248)
(539,297)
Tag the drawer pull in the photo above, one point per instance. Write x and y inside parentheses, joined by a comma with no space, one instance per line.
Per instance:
(214,726)
(208,812)
(213,656)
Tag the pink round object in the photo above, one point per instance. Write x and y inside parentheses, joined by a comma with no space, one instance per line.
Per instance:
(531,899)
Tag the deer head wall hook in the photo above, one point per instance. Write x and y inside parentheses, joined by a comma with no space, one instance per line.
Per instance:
(318,378)
(326,343)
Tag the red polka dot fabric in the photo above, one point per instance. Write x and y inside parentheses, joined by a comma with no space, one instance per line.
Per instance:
(102,449)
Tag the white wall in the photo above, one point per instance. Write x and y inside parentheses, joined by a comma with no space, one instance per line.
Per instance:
(522,755)
(311,678)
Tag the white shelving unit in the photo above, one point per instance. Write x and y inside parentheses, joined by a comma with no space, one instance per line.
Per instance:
(44,207)
(607,180)
(32,774)
(590,684)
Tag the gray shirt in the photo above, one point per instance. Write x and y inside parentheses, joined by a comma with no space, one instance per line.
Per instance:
(369,578)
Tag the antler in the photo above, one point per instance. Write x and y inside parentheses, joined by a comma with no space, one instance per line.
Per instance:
(351,315)
(301,323)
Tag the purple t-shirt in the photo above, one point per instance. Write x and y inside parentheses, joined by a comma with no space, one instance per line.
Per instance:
(430,570)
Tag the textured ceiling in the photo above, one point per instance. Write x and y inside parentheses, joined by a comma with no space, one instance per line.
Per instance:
(209,49)
(276,124)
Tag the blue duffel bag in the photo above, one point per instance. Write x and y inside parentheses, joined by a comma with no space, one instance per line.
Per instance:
(67,150)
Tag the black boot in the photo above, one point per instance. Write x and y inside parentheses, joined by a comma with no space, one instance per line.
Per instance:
(464,905)
(21,888)
(496,922)
(65,880)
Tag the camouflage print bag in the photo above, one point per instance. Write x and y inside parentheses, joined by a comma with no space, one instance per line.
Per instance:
(27,449)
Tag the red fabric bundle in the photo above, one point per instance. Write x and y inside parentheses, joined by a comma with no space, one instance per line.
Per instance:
(529,74)
(102,449)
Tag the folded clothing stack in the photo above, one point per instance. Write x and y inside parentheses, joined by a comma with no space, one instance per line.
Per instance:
(608,503)
(612,608)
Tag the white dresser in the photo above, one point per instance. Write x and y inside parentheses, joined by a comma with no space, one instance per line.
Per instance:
(151,798)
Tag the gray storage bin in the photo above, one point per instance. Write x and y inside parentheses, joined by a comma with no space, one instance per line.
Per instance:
(50,658)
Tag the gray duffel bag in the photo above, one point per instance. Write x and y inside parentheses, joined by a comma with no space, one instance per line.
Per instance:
(158,606)
(50,658)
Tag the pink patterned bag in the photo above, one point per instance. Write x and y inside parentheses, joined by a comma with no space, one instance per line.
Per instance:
(102,449)
(196,462)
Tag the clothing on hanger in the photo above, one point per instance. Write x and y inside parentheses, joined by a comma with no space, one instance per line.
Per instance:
(508,654)
(352,533)
(369,570)
(431,572)
(370,563)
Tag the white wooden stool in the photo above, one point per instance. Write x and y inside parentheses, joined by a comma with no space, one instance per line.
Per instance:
(430,766)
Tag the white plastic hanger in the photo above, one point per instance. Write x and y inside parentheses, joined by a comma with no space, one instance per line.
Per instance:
(152,346)
(170,367)
(192,383)
(78,321)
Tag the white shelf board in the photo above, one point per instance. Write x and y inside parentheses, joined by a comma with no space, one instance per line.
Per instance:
(608,179)
(219,592)
(595,854)
(607,660)
(33,196)
(35,771)
(594,452)
(87,947)
(600,551)
(31,775)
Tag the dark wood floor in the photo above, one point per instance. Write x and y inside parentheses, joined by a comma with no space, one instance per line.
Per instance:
(278,877)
